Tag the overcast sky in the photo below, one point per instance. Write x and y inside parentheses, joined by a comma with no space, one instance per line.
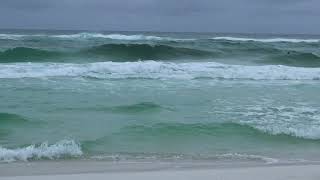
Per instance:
(255,16)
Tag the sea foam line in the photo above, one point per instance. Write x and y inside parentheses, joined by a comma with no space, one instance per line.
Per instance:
(177,157)
(270,40)
(60,149)
(158,70)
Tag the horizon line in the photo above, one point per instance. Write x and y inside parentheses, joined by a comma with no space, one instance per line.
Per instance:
(152,31)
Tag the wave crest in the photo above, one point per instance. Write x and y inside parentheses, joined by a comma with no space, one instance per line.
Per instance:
(270,40)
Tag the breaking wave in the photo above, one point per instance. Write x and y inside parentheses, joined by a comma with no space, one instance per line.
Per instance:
(61,149)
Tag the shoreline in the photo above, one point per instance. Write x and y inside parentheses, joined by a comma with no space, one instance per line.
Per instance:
(157,170)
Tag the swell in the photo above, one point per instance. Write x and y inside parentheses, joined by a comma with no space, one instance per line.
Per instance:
(10,121)
(136,108)
(225,52)
(14,119)
(25,54)
(114,52)
(143,107)
(147,52)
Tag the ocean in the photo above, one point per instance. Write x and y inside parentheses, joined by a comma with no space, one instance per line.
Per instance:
(143,96)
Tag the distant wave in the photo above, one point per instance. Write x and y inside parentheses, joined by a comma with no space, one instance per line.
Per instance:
(117,52)
(142,37)
(158,70)
(135,37)
(269,40)
(64,148)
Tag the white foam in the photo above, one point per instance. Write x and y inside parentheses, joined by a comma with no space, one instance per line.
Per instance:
(267,160)
(268,40)
(299,121)
(157,70)
(44,150)
(177,157)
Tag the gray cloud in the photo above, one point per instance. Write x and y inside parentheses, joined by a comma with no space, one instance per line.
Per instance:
(273,16)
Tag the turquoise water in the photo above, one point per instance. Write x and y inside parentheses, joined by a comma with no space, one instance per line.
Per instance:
(158,96)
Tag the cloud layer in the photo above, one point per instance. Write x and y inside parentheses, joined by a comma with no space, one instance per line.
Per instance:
(269,16)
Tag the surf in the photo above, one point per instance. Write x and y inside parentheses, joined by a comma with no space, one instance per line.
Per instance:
(158,70)
(61,149)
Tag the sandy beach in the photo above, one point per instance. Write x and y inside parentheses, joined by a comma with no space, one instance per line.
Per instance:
(144,171)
